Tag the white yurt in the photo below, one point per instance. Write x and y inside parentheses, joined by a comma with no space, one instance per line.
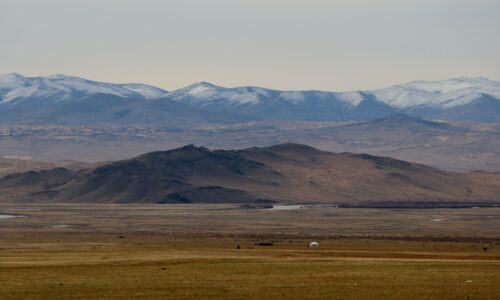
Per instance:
(314,245)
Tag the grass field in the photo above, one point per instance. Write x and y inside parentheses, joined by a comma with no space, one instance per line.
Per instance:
(111,258)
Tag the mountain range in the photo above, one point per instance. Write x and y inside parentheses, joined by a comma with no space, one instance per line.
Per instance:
(68,100)
(60,99)
(286,173)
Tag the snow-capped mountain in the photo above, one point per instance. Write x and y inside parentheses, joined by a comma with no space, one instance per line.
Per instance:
(15,87)
(262,103)
(67,99)
(473,99)
(204,94)
(441,94)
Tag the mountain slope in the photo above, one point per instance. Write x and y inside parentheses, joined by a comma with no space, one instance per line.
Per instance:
(267,104)
(468,99)
(22,99)
(15,88)
(282,173)
(67,100)
(443,94)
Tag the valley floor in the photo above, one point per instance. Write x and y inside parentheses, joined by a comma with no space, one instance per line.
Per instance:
(190,252)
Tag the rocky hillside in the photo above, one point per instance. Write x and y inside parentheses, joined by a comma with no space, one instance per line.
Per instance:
(289,173)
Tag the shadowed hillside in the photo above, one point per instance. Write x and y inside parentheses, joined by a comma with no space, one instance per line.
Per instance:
(282,173)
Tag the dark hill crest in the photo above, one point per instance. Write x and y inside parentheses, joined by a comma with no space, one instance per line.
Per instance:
(290,173)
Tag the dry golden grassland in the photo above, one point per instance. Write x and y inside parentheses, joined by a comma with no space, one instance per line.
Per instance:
(189,252)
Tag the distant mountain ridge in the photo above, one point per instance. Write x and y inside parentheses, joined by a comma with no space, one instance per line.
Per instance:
(15,87)
(68,100)
(46,99)
(463,99)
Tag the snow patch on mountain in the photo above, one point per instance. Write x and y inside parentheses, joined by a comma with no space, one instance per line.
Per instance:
(62,87)
(294,97)
(204,93)
(11,81)
(147,91)
(353,98)
(442,94)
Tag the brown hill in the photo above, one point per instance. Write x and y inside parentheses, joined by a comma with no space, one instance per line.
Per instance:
(13,164)
(289,173)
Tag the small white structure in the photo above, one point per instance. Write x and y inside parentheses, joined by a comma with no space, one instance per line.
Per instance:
(314,245)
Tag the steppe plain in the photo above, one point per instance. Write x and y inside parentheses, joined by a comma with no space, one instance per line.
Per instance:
(61,251)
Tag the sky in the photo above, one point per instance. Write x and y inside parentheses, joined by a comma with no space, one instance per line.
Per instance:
(335,45)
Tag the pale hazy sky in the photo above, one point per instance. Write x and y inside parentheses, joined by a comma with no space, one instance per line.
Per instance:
(284,44)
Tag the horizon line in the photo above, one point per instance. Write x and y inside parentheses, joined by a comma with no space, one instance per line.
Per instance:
(247,86)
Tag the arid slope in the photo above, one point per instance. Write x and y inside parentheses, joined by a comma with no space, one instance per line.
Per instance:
(289,173)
